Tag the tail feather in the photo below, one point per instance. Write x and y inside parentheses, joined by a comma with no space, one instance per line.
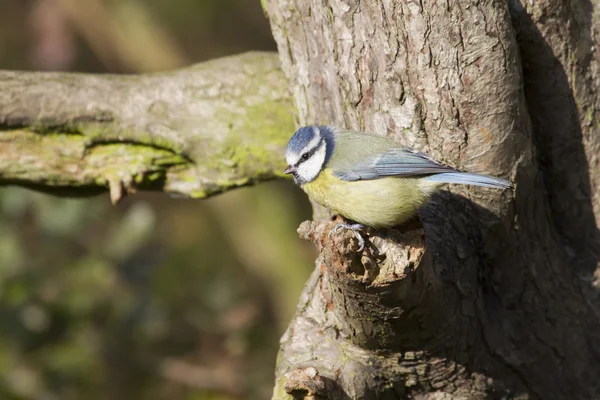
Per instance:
(467,178)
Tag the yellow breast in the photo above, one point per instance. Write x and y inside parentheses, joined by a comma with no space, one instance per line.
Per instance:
(378,203)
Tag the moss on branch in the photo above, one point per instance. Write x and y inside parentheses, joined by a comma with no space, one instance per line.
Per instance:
(193,132)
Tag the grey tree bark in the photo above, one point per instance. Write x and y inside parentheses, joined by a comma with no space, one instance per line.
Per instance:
(194,132)
(497,295)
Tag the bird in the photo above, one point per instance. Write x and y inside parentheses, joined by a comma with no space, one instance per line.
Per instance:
(369,179)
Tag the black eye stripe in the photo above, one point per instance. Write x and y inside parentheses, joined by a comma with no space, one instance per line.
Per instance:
(310,153)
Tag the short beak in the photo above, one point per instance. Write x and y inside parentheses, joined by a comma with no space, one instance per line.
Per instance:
(289,170)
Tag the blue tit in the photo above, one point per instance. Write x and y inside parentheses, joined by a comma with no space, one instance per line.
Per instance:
(369,179)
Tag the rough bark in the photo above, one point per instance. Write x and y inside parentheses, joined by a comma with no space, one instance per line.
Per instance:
(561,80)
(491,303)
(193,132)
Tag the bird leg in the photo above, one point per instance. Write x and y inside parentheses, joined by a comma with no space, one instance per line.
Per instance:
(356,228)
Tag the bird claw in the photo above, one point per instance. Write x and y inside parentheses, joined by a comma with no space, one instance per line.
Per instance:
(355,228)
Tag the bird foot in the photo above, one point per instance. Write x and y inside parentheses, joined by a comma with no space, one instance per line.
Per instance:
(356,228)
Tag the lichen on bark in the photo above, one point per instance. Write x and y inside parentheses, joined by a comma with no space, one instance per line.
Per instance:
(193,132)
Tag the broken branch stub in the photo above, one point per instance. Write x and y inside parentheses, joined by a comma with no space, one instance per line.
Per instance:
(364,316)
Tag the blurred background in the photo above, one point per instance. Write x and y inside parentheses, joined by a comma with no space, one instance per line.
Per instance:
(156,298)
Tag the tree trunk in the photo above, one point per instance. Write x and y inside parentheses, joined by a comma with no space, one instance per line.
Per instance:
(498,294)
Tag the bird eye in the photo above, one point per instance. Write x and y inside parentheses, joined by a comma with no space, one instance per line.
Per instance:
(304,157)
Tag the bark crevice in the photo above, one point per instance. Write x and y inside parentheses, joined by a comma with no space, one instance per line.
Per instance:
(559,72)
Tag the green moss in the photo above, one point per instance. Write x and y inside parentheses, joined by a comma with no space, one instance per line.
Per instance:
(279,392)
(154,176)
(253,151)
(264,139)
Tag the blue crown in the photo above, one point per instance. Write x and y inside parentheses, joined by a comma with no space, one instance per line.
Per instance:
(301,138)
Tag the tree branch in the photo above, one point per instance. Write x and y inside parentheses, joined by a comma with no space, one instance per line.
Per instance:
(194,132)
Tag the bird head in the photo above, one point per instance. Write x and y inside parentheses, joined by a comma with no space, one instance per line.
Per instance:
(308,151)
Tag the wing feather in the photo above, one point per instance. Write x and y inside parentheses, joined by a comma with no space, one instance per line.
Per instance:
(397,161)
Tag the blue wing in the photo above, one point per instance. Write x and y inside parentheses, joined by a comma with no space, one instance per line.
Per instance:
(381,157)
(401,162)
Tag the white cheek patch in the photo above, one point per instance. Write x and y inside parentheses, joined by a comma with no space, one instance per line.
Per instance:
(309,169)
(293,158)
